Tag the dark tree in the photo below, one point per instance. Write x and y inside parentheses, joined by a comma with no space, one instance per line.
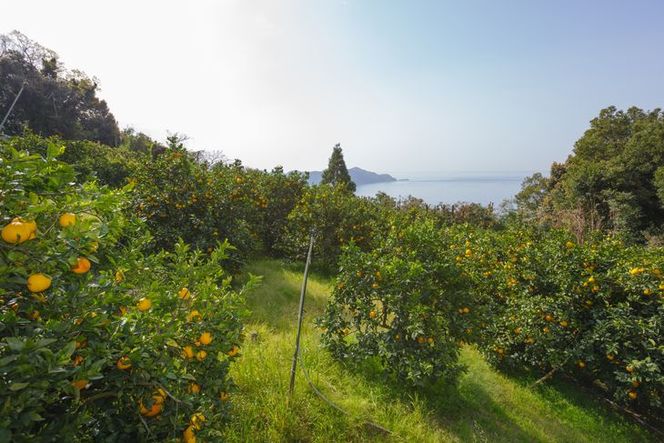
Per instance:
(337,172)
(613,179)
(54,101)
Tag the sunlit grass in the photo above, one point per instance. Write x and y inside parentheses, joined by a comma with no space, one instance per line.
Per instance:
(485,405)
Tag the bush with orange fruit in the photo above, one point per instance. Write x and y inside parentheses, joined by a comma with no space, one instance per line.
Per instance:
(398,303)
(94,333)
(594,310)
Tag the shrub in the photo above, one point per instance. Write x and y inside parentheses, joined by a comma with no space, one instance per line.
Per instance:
(337,218)
(403,303)
(180,198)
(95,333)
(594,311)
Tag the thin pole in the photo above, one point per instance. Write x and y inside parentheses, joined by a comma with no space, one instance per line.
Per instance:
(300,317)
(20,91)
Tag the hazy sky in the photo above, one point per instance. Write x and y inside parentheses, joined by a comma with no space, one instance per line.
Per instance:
(402,85)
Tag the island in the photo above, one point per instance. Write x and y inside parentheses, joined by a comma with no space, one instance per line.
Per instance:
(358,175)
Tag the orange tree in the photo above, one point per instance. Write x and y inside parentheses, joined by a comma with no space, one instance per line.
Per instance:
(337,218)
(593,311)
(280,193)
(398,303)
(180,197)
(99,340)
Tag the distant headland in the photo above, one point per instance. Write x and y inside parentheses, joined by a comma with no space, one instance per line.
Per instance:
(358,175)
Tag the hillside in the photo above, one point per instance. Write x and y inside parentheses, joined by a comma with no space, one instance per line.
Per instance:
(358,175)
(485,406)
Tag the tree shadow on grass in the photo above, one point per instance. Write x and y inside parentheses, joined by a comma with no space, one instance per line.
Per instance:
(485,405)
(463,409)
(581,394)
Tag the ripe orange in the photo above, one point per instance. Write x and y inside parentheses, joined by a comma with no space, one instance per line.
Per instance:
(466,310)
(194,316)
(224,396)
(548,317)
(205,338)
(188,352)
(201,355)
(184,293)
(610,356)
(39,282)
(19,231)
(430,340)
(234,351)
(155,409)
(421,339)
(372,314)
(144,304)
(375,285)
(632,394)
(194,388)
(517,330)
(197,420)
(123,363)
(581,364)
(636,383)
(188,435)
(79,384)
(67,219)
(82,266)
(630,369)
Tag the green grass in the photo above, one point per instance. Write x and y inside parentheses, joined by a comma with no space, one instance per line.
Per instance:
(485,405)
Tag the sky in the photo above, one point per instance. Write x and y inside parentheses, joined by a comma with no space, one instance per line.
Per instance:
(402,85)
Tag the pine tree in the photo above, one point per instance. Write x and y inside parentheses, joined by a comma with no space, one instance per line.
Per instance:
(337,172)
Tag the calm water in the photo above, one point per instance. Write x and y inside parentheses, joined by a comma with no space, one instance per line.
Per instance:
(451,187)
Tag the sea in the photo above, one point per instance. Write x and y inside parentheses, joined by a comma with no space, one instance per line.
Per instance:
(450,187)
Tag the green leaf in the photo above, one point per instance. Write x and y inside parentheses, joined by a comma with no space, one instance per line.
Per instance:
(172,343)
(18,386)
(8,359)
(45,342)
(54,150)
(15,344)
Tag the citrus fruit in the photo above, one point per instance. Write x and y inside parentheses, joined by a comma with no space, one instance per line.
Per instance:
(123,363)
(155,409)
(188,352)
(234,351)
(19,231)
(197,420)
(144,304)
(67,219)
(188,435)
(194,316)
(39,282)
(205,338)
(79,384)
(82,266)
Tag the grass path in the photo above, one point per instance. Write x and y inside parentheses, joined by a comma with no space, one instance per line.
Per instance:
(486,406)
